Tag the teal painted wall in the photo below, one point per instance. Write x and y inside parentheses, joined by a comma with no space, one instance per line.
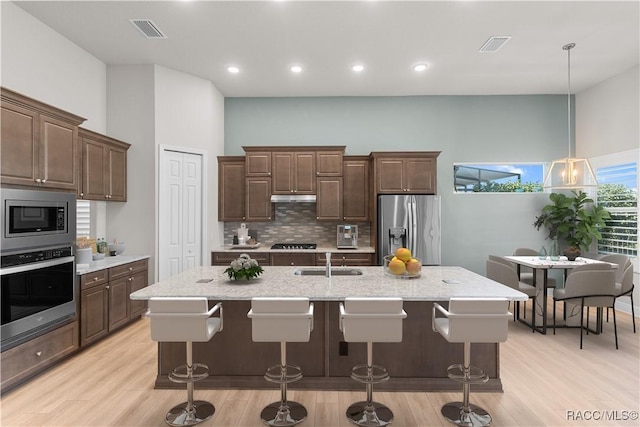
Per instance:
(510,128)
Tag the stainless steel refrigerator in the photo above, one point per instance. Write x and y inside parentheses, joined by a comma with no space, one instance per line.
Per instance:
(410,221)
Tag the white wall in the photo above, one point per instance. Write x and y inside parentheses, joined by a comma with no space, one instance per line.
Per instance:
(608,116)
(40,63)
(189,113)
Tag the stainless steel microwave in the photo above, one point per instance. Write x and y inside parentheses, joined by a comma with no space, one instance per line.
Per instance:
(37,219)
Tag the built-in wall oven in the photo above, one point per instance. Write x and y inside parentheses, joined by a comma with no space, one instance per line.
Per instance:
(37,260)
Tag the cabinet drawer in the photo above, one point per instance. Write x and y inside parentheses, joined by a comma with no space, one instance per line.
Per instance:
(342,259)
(127,269)
(224,258)
(99,277)
(23,361)
(295,258)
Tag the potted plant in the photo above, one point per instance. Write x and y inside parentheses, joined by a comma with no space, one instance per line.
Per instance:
(574,219)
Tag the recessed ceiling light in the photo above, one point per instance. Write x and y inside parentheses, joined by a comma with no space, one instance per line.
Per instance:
(494,43)
(358,68)
(420,67)
(234,70)
(296,69)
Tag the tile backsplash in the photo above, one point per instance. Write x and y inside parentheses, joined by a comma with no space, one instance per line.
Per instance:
(296,222)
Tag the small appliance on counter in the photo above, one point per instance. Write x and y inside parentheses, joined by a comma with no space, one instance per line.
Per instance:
(347,237)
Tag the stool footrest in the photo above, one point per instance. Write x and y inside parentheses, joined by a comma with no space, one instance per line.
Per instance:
(180,374)
(361,373)
(476,375)
(283,375)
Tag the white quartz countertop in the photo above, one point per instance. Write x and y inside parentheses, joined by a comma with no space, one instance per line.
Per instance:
(107,262)
(213,283)
(267,248)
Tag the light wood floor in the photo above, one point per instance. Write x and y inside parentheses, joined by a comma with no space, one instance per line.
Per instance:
(544,379)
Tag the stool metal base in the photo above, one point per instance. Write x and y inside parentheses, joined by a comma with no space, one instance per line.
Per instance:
(180,416)
(476,417)
(368,416)
(276,415)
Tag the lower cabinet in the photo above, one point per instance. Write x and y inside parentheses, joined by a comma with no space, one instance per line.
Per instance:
(225,258)
(104,299)
(26,360)
(293,258)
(340,259)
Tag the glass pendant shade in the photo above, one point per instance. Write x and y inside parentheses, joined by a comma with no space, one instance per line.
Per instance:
(570,173)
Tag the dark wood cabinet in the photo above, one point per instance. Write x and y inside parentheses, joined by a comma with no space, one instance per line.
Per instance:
(405,172)
(355,193)
(104,167)
(329,163)
(39,144)
(293,258)
(257,163)
(258,206)
(105,305)
(26,360)
(329,199)
(231,188)
(294,172)
(225,258)
(341,259)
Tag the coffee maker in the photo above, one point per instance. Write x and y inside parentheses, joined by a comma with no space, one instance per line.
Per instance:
(347,237)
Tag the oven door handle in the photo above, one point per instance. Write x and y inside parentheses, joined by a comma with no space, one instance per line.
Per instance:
(36,265)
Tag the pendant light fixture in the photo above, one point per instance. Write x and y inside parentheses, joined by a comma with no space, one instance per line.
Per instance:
(569,173)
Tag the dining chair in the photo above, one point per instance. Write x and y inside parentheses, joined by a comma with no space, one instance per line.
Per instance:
(502,271)
(623,263)
(589,285)
(526,273)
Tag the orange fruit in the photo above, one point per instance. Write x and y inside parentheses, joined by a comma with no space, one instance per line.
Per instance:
(397,267)
(403,254)
(413,266)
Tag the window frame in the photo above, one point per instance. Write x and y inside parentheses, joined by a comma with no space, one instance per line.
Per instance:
(544,165)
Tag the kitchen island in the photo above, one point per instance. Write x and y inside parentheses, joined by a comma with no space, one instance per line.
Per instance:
(419,362)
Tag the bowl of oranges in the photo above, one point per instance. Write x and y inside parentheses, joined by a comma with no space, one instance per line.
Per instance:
(402,265)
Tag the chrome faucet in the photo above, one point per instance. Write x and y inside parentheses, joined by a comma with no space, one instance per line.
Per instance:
(328,266)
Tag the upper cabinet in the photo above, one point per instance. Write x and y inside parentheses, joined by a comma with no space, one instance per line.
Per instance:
(231,188)
(104,167)
(355,197)
(39,144)
(294,172)
(257,163)
(405,172)
(329,163)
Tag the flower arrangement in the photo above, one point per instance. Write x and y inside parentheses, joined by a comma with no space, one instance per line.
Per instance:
(244,268)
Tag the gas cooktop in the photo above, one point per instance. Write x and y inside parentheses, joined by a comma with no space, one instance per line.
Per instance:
(294,246)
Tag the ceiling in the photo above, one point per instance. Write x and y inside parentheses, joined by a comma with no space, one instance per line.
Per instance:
(265,38)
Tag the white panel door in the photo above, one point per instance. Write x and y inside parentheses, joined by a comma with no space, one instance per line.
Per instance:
(180,217)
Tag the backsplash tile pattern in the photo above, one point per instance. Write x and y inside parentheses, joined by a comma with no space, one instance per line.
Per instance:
(296,222)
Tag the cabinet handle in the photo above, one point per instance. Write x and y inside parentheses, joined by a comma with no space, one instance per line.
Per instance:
(38,180)
(39,353)
(44,180)
(107,287)
(81,194)
(292,263)
(95,279)
(130,279)
(130,268)
(269,173)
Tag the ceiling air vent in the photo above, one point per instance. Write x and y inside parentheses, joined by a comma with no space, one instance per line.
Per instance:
(494,44)
(148,28)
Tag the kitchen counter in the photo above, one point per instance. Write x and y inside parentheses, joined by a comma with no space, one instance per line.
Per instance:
(418,363)
(107,262)
(213,283)
(320,249)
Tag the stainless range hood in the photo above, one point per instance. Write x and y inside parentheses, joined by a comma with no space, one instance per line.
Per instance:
(293,198)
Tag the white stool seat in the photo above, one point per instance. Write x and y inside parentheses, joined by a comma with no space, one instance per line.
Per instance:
(371,320)
(188,320)
(282,320)
(470,320)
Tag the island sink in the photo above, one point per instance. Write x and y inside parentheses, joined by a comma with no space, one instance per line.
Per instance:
(322,271)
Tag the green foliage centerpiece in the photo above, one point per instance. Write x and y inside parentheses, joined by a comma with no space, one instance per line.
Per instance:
(244,268)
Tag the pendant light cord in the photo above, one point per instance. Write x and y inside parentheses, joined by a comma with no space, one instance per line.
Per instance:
(568,48)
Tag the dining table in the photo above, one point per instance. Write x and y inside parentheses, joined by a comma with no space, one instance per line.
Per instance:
(541,267)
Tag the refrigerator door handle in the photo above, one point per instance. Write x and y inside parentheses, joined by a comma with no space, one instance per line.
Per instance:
(412,224)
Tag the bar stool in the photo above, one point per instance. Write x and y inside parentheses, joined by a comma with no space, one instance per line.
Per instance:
(371,320)
(282,320)
(185,319)
(470,320)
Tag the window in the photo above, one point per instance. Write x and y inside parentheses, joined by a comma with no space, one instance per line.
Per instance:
(618,193)
(497,177)
(83,218)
